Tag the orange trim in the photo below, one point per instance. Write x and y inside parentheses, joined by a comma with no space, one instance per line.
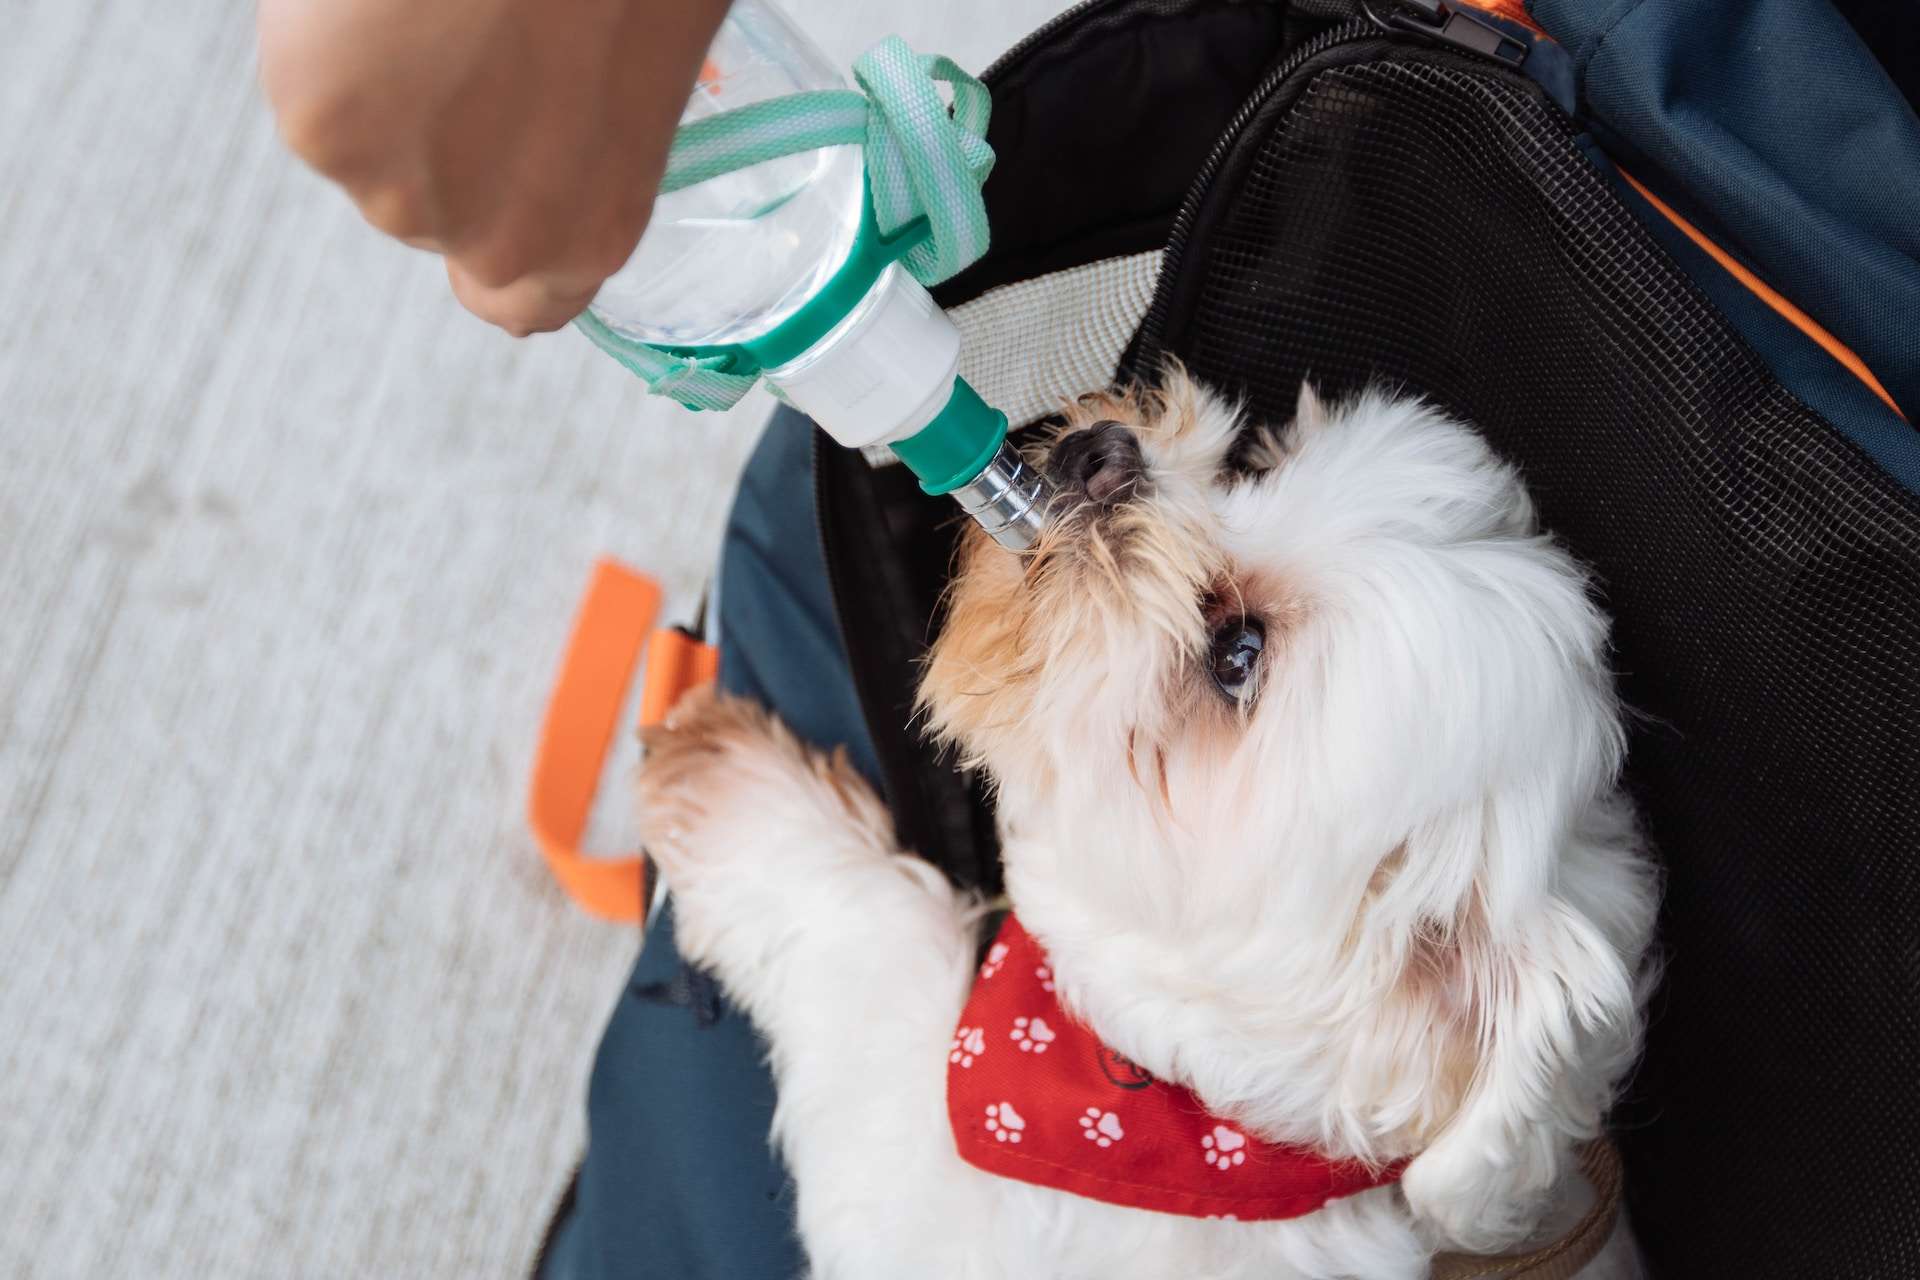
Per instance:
(608,639)
(1759,288)
(1512,10)
(676,663)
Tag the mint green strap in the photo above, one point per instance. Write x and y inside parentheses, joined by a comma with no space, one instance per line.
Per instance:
(764,131)
(922,161)
(698,382)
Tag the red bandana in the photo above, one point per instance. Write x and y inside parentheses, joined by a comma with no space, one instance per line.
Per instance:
(1035,1096)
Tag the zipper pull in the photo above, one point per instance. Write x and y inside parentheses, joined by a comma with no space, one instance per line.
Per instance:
(1449,24)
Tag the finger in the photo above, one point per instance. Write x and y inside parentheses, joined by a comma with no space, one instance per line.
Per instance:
(402,210)
(532,304)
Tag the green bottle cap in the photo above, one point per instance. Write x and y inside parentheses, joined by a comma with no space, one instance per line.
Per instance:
(957,445)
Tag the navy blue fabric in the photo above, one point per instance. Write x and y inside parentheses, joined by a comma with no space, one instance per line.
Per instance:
(1769,124)
(1800,364)
(679,1180)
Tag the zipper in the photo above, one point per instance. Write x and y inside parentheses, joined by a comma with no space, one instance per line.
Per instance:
(817,464)
(1449,23)
(836,596)
(1433,20)
(897,786)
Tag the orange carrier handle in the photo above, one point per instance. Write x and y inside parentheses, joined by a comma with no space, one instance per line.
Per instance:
(614,628)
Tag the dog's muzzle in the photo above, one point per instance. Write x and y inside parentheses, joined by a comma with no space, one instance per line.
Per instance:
(1102,464)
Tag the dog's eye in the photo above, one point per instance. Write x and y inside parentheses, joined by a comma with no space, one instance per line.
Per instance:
(1236,657)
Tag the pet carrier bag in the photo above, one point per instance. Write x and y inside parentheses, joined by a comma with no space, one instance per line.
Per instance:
(1666,255)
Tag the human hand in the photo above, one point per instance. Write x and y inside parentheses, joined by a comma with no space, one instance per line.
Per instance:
(522,139)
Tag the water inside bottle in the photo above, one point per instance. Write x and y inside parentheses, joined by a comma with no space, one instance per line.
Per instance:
(730,258)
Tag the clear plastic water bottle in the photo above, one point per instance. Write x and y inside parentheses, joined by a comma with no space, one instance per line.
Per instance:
(731,259)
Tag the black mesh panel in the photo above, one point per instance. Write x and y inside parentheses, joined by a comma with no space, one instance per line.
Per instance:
(1432,224)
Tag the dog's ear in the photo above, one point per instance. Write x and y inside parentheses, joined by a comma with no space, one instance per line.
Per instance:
(1542,985)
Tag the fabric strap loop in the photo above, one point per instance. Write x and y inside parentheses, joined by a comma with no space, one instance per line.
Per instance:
(614,627)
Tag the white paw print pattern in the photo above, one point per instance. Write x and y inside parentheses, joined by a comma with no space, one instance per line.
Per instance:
(1004,1123)
(1102,1128)
(1225,1148)
(968,1044)
(1033,1035)
(996,956)
(1046,977)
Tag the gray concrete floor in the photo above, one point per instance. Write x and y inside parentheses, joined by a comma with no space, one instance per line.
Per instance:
(289,546)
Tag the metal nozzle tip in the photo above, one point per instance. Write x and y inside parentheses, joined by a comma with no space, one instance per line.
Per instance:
(1009,499)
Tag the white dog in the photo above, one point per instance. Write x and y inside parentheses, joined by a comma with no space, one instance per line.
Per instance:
(1306,773)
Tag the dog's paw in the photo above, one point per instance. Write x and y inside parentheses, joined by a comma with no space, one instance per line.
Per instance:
(698,769)
(1476,1200)
(722,780)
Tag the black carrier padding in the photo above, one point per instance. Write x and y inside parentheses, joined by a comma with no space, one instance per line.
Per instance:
(1891,28)
(1430,223)
(1099,123)
(888,550)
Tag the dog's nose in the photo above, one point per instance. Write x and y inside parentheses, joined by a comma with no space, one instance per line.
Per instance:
(1103,462)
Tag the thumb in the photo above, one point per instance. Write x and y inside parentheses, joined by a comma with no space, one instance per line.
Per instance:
(538,303)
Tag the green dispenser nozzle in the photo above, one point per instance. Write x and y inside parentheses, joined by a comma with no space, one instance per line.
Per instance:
(964,452)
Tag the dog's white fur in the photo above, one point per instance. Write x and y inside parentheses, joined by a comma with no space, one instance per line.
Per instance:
(1395,907)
